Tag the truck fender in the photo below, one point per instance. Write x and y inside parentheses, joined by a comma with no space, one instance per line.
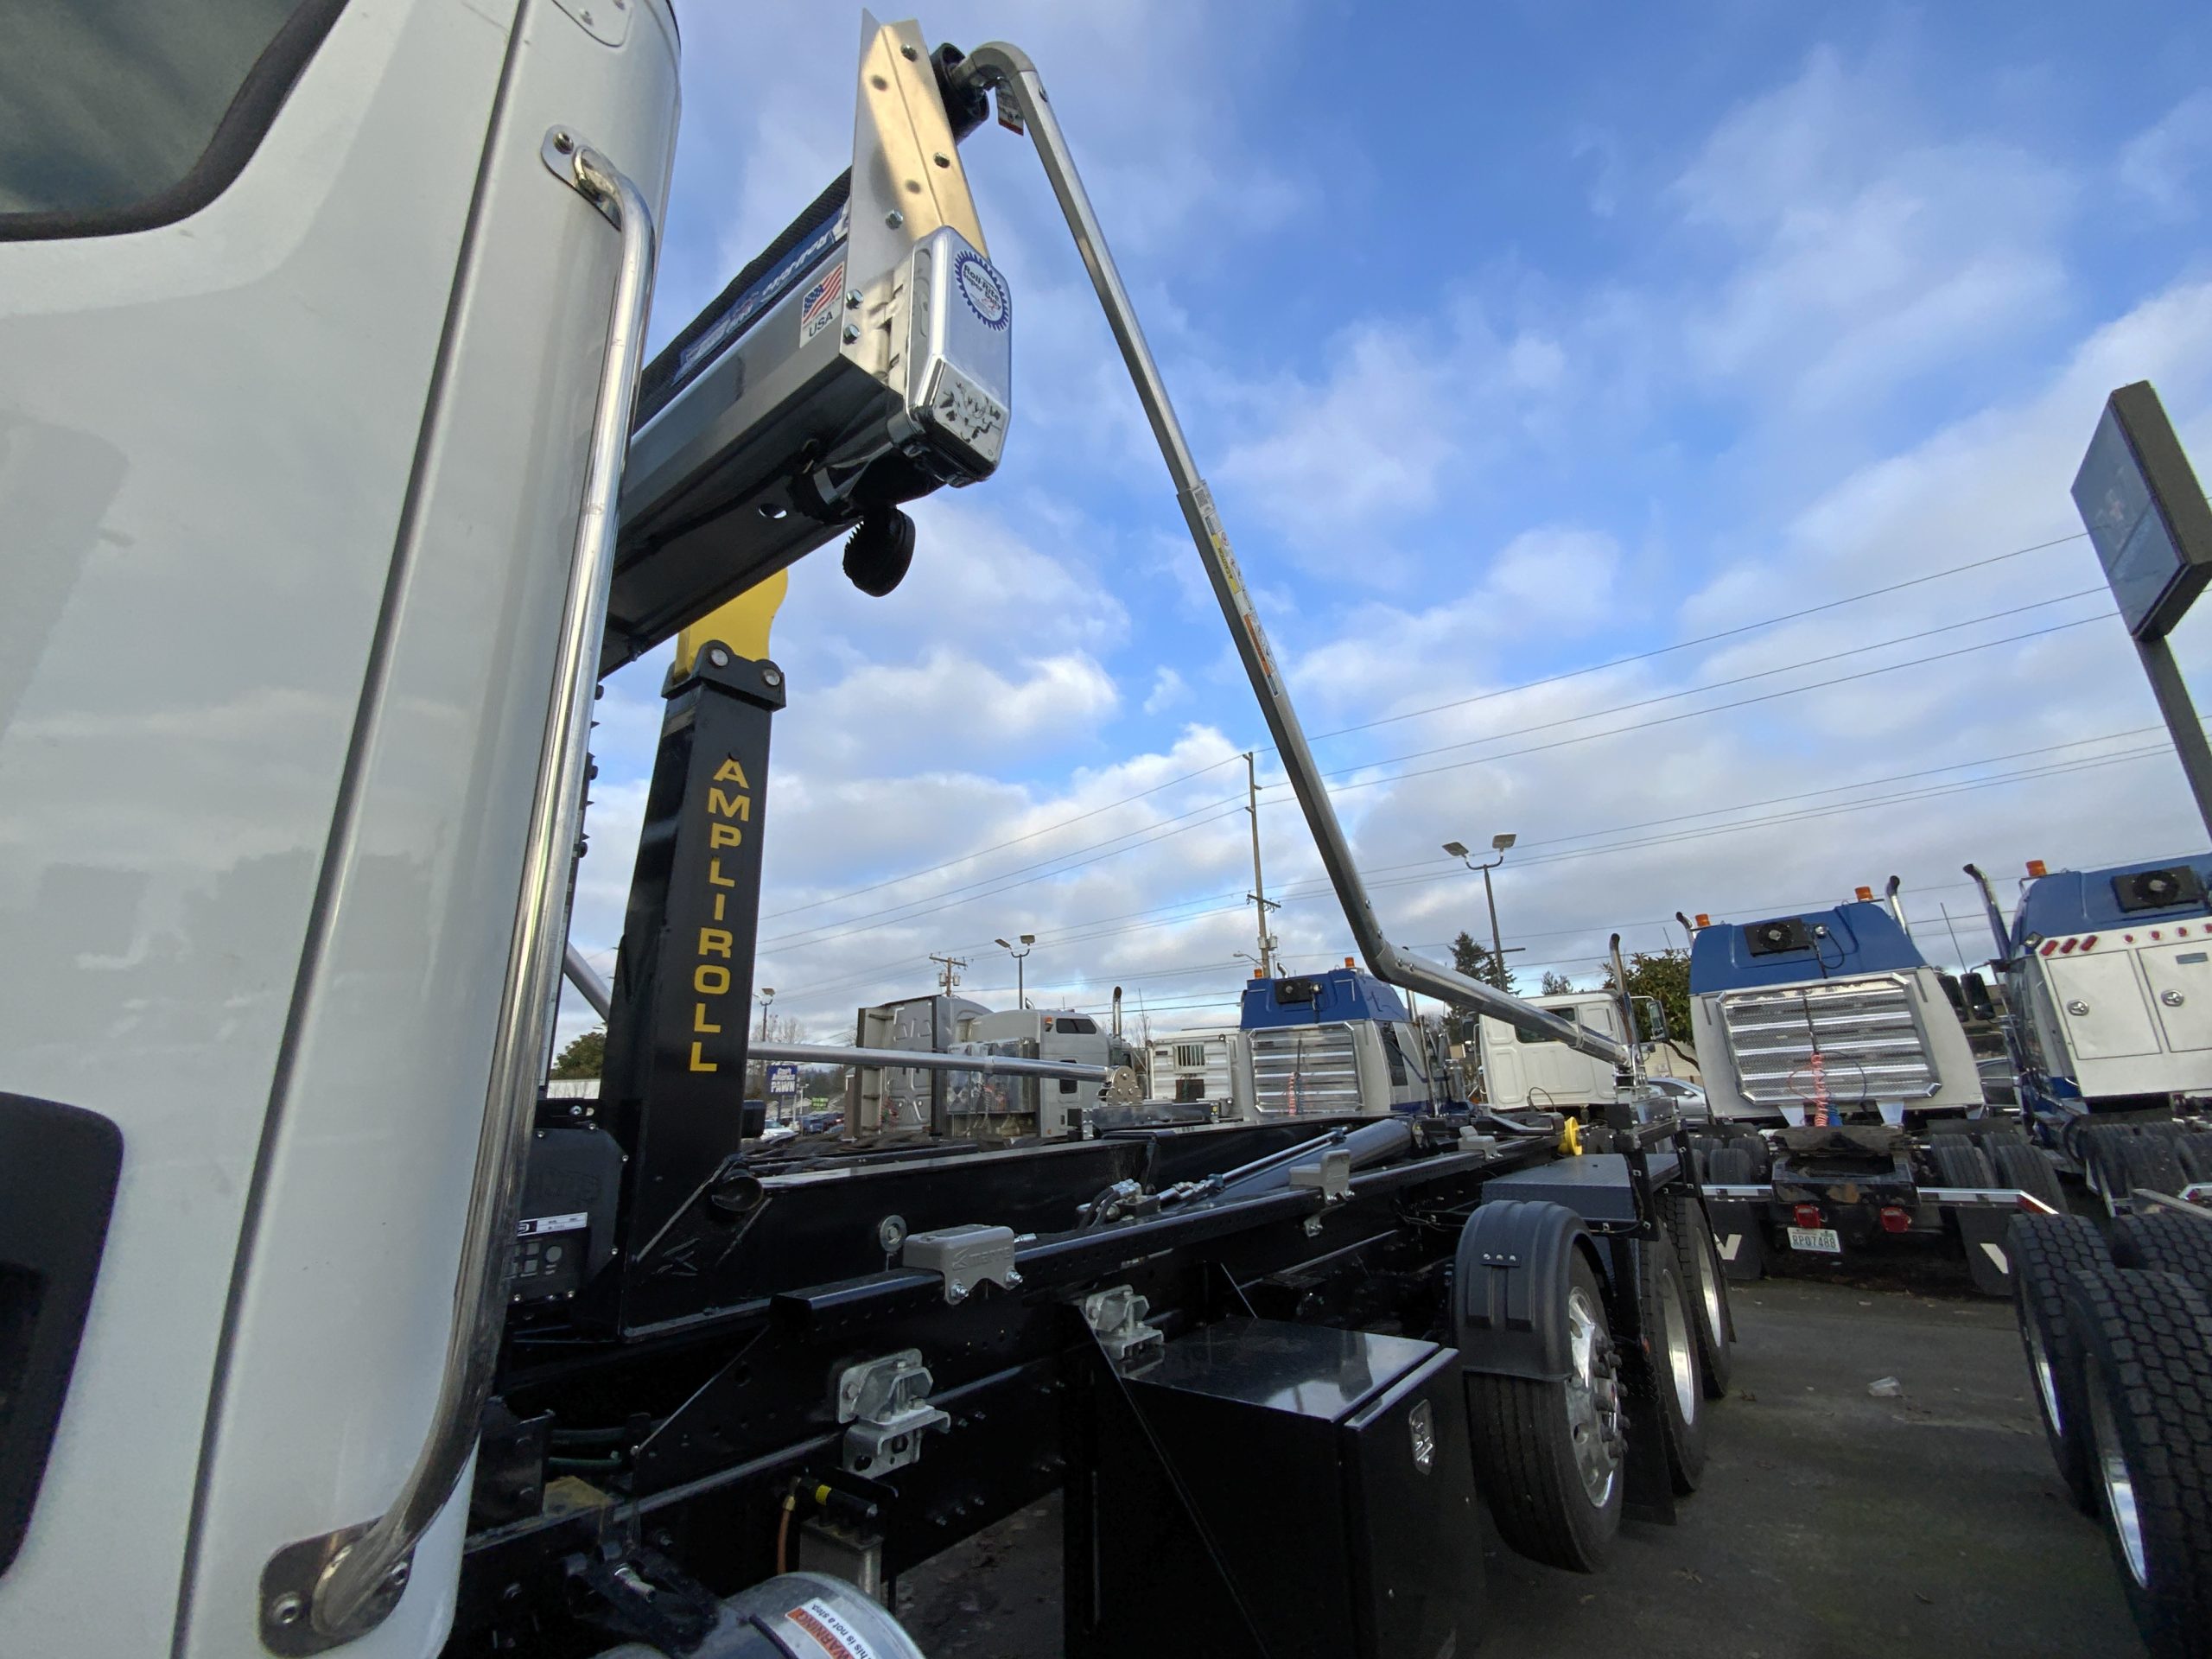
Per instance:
(1509,1288)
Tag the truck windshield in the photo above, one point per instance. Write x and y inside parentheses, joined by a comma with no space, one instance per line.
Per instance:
(123,115)
(1568,1014)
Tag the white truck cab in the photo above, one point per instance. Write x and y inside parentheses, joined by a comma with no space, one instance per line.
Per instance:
(306,322)
(1533,1069)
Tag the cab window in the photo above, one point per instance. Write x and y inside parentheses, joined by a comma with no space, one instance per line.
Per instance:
(123,115)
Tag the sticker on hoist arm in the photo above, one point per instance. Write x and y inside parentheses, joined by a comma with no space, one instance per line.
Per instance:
(818,308)
(983,289)
(828,1631)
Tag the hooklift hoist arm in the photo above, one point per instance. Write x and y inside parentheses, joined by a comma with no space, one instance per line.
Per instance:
(994,1322)
(1007,71)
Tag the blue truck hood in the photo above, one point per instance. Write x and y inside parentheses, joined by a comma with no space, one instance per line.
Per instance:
(1861,939)
(2083,901)
(1339,994)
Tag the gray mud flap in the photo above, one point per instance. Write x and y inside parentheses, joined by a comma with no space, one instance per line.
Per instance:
(1981,1231)
(1740,1237)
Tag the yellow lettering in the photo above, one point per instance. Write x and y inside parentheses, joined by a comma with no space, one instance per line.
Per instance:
(730,806)
(700,1065)
(715,942)
(716,878)
(730,773)
(699,1020)
(709,980)
(718,907)
(725,834)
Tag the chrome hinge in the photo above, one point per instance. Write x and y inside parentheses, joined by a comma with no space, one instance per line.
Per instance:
(887,1400)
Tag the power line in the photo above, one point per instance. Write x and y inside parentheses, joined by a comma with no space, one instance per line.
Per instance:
(1568,674)
(2084,764)
(1717,709)
(1705,640)
(870,921)
(1716,685)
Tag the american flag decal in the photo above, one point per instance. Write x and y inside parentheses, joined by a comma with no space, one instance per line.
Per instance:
(819,303)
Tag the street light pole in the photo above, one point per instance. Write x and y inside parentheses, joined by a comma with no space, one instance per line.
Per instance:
(1021,996)
(1499,844)
(766,994)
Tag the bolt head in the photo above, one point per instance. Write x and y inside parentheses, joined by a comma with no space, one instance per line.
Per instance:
(851,299)
(772,676)
(852,332)
(563,143)
(908,53)
(895,219)
(288,1609)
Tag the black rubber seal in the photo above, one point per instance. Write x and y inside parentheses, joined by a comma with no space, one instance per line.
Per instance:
(238,135)
(58,1170)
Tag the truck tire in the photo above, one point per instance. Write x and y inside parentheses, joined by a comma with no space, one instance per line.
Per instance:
(2117,1158)
(1550,1457)
(2046,1251)
(1670,1363)
(1959,1162)
(1729,1166)
(2181,1245)
(1707,1283)
(2020,1165)
(2146,1366)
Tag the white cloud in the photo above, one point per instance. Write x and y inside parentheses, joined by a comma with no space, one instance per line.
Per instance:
(1168,691)
(1866,255)
(2165,164)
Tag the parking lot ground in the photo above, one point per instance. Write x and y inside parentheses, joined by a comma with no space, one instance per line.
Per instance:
(1831,1522)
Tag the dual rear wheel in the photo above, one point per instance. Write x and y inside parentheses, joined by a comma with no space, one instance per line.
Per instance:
(1551,1456)
(2119,1343)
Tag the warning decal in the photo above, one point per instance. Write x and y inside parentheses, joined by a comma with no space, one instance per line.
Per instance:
(830,1633)
(817,307)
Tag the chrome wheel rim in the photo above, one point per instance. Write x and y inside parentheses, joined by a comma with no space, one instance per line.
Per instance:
(2119,1484)
(1593,1398)
(1681,1359)
(1716,1321)
(2046,1376)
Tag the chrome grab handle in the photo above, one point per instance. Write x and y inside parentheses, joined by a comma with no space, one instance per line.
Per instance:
(1008,71)
(325,1592)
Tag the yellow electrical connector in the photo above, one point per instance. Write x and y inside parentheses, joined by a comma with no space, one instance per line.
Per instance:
(1570,1137)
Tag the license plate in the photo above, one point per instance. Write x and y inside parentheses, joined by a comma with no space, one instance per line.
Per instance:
(1815,1238)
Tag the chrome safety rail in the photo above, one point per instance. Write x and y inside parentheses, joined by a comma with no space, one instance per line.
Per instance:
(1007,71)
(325,1592)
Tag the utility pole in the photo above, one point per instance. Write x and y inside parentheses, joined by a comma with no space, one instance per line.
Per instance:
(1259,893)
(1957,949)
(951,965)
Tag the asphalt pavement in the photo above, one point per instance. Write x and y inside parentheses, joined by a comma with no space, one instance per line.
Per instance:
(1831,1522)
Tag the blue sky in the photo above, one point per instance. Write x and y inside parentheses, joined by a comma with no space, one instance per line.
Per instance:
(1514,340)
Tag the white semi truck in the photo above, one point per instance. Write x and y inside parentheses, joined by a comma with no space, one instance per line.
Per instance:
(2107,980)
(1524,1070)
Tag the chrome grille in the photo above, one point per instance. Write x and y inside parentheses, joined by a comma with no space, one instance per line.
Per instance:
(1305,1069)
(1864,1031)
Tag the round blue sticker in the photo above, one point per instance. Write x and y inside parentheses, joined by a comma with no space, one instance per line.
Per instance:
(983,288)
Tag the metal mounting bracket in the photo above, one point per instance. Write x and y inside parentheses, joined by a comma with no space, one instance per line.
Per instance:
(1116,1319)
(1332,1177)
(965,1257)
(886,1402)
